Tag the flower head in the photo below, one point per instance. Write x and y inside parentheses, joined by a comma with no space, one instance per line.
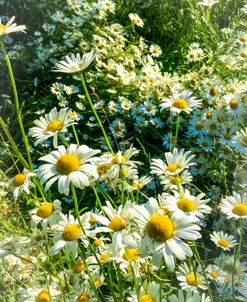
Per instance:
(10,27)
(75,63)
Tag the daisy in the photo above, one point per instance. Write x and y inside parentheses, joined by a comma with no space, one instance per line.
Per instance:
(208,3)
(21,182)
(240,140)
(75,63)
(37,294)
(10,27)
(223,240)
(188,296)
(234,206)
(47,213)
(149,292)
(177,161)
(67,232)
(135,19)
(180,102)
(189,279)
(81,291)
(185,203)
(164,234)
(57,88)
(68,165)
(214,272)
(173,181)
(51,125)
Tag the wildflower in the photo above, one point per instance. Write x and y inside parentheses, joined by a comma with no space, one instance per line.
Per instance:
(214,272)
(10,27)
(71,165)
(223,240)
(190,279)
(188,296)
(164,233)
(75,63)
(180,102)
(208,3)
(135,19)
(234,206)
(240,140)
(21,182)
(149,292)
(51,125)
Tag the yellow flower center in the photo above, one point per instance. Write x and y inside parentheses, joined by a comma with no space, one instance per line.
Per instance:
(213,91)
(175,180)
(227,281)
(45,210)
(223,243)
(67,164)
(97,282)
(92,220)
(243,53)
(117,224)
(164,210)
(172,167)
(186,205)
(147,298)
(79,267)
(209,115)
(105,257)
(71,232)
(2,27)
(234,104)
(103,168)
(227,136)
(192,279)
(214,275)
(244,141)
(159,228)
(131,254)
(116,160)
(43,296)
(19,179)
(97,242)
(83,297)
(54,126)
(243,38)
(198,126)
(240,209)
(180,104)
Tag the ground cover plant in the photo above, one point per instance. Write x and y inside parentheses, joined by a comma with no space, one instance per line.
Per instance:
(123,151)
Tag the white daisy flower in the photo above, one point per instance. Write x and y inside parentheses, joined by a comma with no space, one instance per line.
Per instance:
(177,161)
(223,240)
(68,165)
(149,292)
(51,125)
(240,140)
(185,203)
(234,206)
(36,294)
(10,27)
(47,213)
(180,102)
(21,182)
(68,232)
(189,279)
(57,88)
(165,234)
(208,3)
(135,19)
(173,181)
(188,296)
(75,63)
(214,272)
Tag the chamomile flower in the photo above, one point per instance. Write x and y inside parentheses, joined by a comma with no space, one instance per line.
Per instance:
(173,181)
(149,292)
(234,206)
(21,182)
(185,203)
(47,213)
(10,27)
(189,279)
(57,88)
(207,3)
(73,164)
(214,272)
(240,140)
(188,296)
(67,232)
(75,63)
(223,240)
(51,125)
(37,294)
(164,234)
(135,19)
(176,162)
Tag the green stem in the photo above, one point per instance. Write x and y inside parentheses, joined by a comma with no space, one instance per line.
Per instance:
(176,133)
(75,134)
(95,113)
(63,140)
(17,106)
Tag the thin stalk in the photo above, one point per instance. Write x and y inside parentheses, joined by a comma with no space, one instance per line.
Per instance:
(75,134)
(17,106)
(63,140)
(95,113)
(176,133)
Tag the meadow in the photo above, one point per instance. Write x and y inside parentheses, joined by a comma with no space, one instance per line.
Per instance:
(123,141)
